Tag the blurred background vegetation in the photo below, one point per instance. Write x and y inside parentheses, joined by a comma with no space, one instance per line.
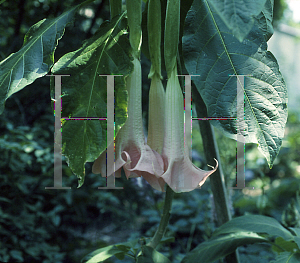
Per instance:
(39,225)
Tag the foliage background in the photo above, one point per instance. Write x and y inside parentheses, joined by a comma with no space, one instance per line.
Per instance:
(39,225)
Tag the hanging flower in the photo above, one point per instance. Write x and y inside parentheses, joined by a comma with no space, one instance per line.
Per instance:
(180,173)
(156,119)
(156,114)
(132,153)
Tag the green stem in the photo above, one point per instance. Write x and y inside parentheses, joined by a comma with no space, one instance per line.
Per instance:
(164,221)
(115,7)
(217,179)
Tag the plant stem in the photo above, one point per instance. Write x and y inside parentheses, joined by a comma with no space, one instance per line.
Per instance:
(164,219)
(217,179)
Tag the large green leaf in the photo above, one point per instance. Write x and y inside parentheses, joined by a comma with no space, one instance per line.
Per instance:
(238,15)
(35,57)
(221,246)
(254,223)
(211,51)
(85,92)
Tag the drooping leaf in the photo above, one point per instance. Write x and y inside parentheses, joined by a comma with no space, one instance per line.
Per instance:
(238,15)
(211,51)
(220,246)
(254,223)
(35,57)
(85,92)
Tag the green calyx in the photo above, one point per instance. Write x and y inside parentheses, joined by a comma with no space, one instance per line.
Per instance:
(172,25)
(154,36)
(134,14)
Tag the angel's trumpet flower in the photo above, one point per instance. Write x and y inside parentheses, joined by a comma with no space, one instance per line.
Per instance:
(156,119)
(180,173)
(132,153)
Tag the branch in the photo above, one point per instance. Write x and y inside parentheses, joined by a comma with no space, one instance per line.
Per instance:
(217,178)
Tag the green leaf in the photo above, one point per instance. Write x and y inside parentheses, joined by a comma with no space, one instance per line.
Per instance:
(211,51)
(286,257)
(126,246)
(17,254)
(4,199)
(297,240)
(35,57)
(289,246)
(265,18)
(254,223)
(150,255)
(85,92)
(295,230)
(119,250)
(101,254)
(220,246)
(238,15)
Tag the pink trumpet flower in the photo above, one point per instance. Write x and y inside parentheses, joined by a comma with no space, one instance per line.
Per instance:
(132,153)
(180,173)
